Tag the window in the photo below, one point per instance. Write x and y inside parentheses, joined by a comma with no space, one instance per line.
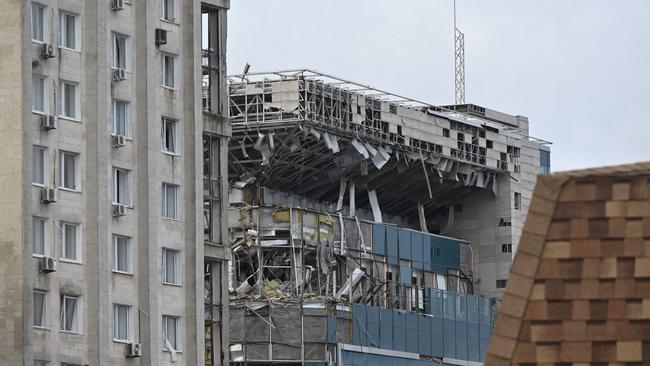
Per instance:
(501,283)
(171,330)
(38,165)
(119,51)
(70,31)
(517,201)
(121,319)
(39,237)
(506,248)
(169,137)
(39,97)
(71,241)
(489,144)
(39,309)
(441,281)
(69,100)
(170,266)
(38,23)
(70,314)
(120,118)
(121,191)
(170,201)
(40,363)
(168,71)
(167,10)
(445,132)
(122,254)
(70,171)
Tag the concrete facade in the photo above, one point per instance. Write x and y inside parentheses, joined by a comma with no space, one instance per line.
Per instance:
(86,130)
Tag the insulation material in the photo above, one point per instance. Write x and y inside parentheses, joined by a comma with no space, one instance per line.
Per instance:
(342,186)
(376,212)
(357,275)
(361,149)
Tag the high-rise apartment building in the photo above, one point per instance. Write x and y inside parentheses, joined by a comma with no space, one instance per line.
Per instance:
(113,142)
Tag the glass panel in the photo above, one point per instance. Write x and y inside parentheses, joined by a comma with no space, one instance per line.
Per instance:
(119,58)
(37,170)
(39,236)
(70,241)
(169,70)
(69,178)
(70,109)
(39,304)
(122,313)
(68,316)
(122,254)
(122,192)
(38,86)
(170,266)
(37,22)
(119,126)
(441,281)
(70,37)
(171,201)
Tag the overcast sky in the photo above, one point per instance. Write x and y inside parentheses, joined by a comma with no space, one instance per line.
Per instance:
(579,69)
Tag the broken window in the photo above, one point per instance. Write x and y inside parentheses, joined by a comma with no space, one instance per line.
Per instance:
(167,10)
(121,315)
(69,100)
(170,266)
(70,314)
(517,201)
(169,136)
(39,97)
(38,23)
(170,201)
(212,58)
(168,70)
(171,332)
(122,254)
(121,188)
(119,51)
(506,248)
(40,309)
(120,118)
(212,188)
(501,283)
(69,171)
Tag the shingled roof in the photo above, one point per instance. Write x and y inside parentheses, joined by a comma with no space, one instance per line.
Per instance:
(579,288)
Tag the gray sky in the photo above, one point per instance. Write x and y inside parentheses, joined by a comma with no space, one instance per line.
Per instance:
(579,69)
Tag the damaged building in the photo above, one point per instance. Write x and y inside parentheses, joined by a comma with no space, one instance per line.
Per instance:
(367,227)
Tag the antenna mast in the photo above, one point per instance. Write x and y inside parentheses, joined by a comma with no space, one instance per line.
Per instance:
(459,62)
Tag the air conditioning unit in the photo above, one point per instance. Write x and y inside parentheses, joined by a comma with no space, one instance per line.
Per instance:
(119,74)
(47,51)
(133,350)
(48,122)
(48,195)
(161,37)
(117,5)
(119,209)
(46,264)
(118,141)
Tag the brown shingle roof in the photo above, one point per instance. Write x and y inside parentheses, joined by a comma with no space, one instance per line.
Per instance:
(579,289)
